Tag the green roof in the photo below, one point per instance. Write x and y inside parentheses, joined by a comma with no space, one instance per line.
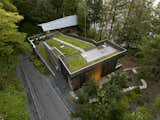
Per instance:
(78,62)
(73,58)
(66,50)
(43,51)
(79,43)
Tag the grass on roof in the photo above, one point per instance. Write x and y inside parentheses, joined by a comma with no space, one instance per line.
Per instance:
(43,52)
(78,62)
(74,41)
(66,50)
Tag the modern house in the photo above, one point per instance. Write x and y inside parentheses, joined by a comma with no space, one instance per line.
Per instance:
(79,59)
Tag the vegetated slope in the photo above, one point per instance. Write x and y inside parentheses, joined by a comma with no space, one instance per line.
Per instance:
(12,101)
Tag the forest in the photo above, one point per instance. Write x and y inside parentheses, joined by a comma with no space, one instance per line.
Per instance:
(133,24)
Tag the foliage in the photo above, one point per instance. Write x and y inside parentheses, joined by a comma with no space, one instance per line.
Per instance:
(82,21)
(150,56)
(12,42)
(155,28)
(39,65)
(156,105)
(45,10)
(36,10)
(124,21)
(110,102)
(29,27)
(43,52)
(91,33)
(141,114)
(94,10)
(13,102)
(8,6)
(136,24)
(69,7)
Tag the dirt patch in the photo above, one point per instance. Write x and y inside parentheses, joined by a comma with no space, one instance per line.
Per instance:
(128,62)
(132,79)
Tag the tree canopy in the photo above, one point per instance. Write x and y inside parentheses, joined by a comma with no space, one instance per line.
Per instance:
(109,102)
(150,57)
(45,10)
(12,42)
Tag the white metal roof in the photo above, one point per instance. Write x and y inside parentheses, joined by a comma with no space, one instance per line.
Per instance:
(60,23)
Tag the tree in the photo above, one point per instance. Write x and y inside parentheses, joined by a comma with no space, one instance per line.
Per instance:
(141,114)
(150,57)
(12,42)
(57,7)
(94,10)
(45,10)
(136,23)
(109,103)
(155,23)
(70,7)
(156,106)
(83,23)
(7,5)
(40,10)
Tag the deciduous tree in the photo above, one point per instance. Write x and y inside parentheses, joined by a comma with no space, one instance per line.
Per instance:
(12,42)
(150,57)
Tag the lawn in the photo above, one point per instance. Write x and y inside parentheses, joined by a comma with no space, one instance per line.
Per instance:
(74,41)
(66,50)
(78,62)
(12,101)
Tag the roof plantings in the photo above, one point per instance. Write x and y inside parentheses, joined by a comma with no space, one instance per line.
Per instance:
(44,53)
(66,50)
(74,58)
(79,43)
(78,62)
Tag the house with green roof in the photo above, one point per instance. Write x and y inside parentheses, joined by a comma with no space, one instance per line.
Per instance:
(80,59)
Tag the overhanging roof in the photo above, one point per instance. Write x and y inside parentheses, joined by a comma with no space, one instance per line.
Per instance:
(60,23)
